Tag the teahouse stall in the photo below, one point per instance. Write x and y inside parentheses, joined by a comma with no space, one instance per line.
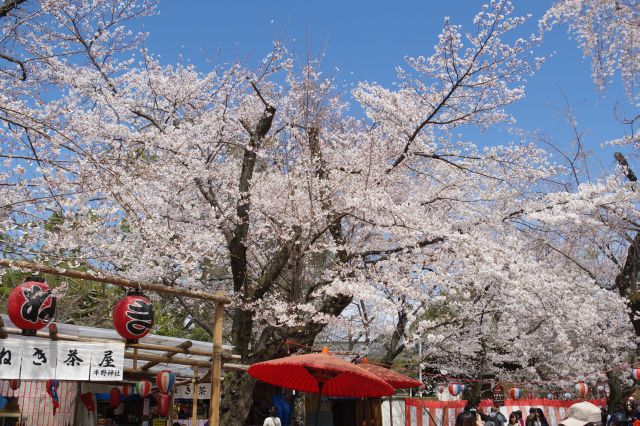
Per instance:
(59,374)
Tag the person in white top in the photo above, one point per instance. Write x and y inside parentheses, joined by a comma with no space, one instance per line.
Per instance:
(272,420)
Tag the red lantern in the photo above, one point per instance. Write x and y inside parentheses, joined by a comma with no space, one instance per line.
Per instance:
(114,398)
(440,389)
(14,384)
(163,405)
(133,317)
(143,387)
(88,401)
(31,306)
(454,389)
(165,381)
(581,389)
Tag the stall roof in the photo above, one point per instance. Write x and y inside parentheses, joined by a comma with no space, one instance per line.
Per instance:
(102,334)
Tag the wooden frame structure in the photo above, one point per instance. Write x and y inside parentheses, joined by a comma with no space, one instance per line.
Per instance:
(182,354)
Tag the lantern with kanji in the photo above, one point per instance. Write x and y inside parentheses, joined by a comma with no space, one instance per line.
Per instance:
(165,380)
(515,393)
(454,389)
(114,398)
(143,388)
(581,389)
(133,316)
(31,306)
(128,391)
(163,405)
(498,396)
(52,390)
(635,373)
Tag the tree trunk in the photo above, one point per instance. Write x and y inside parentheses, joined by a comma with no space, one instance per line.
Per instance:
(237,398)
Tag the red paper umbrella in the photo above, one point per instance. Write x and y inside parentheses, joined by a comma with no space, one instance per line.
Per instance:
(322,374)
(397,380)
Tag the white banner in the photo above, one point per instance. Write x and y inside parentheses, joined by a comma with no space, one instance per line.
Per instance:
(39,359)
(186,391)
(74,361)
(10,359)
(107,362)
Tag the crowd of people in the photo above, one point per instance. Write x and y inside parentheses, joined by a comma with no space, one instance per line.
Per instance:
(579,414)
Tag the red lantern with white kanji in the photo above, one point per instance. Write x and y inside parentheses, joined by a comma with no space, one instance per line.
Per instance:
(133,317)
(163,405)
(31,306)
(114,398)
(581,390)
(143,388)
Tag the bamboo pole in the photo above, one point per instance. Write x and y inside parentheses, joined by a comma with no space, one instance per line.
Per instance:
(216,366)
(169,354)
(226,353)
(158,359)
(121,282)
(194,408)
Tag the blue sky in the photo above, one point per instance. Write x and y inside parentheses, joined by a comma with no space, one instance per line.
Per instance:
(366,40)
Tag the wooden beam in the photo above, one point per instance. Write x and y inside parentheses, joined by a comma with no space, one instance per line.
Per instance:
(169,354)
(166,360)
(226,353)
(107,279)
(216,366)
(3,331)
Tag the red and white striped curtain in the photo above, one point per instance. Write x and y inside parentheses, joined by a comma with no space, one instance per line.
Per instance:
(36,407)
(443,413)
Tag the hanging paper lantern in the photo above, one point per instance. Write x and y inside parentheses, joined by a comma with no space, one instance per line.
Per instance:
(635,373)
(600,388)
(515,393)
(568,395)
(165,380)
(114,398)
(14,384)
(31,306)
(143,388)
(128,390)
(440,389)
(550,395)
(52,390)
(581,389)
(133,317)
(88,401)
(463,388)
(454,389)
(163,405)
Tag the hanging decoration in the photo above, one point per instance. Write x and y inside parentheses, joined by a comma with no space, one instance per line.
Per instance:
(498,396)
(163,405)
(133,316)
(114,398)
(581,389)
(463,388)
(143,388)
(515,393)
(165,380)
(31,306)
(88,401)
(454,389)
(635,373)
(52,390)
(550,395)
(440,389)
(600,388)
(128,391)
(568,395)
(14,384)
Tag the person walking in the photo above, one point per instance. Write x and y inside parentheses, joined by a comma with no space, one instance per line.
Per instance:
(497,417)
(272,419)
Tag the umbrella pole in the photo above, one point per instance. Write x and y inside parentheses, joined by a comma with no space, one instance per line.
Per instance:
(320,384)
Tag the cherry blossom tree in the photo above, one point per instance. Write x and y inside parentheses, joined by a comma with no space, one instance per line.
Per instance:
(261,183)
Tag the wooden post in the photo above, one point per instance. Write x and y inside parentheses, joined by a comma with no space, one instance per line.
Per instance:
(171,398)
(135,358)
(216,366)
(194,409)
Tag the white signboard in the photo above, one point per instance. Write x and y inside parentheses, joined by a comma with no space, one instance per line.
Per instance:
(186,391)
(10,359)
(74,361)
(107,362)
(39,359)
